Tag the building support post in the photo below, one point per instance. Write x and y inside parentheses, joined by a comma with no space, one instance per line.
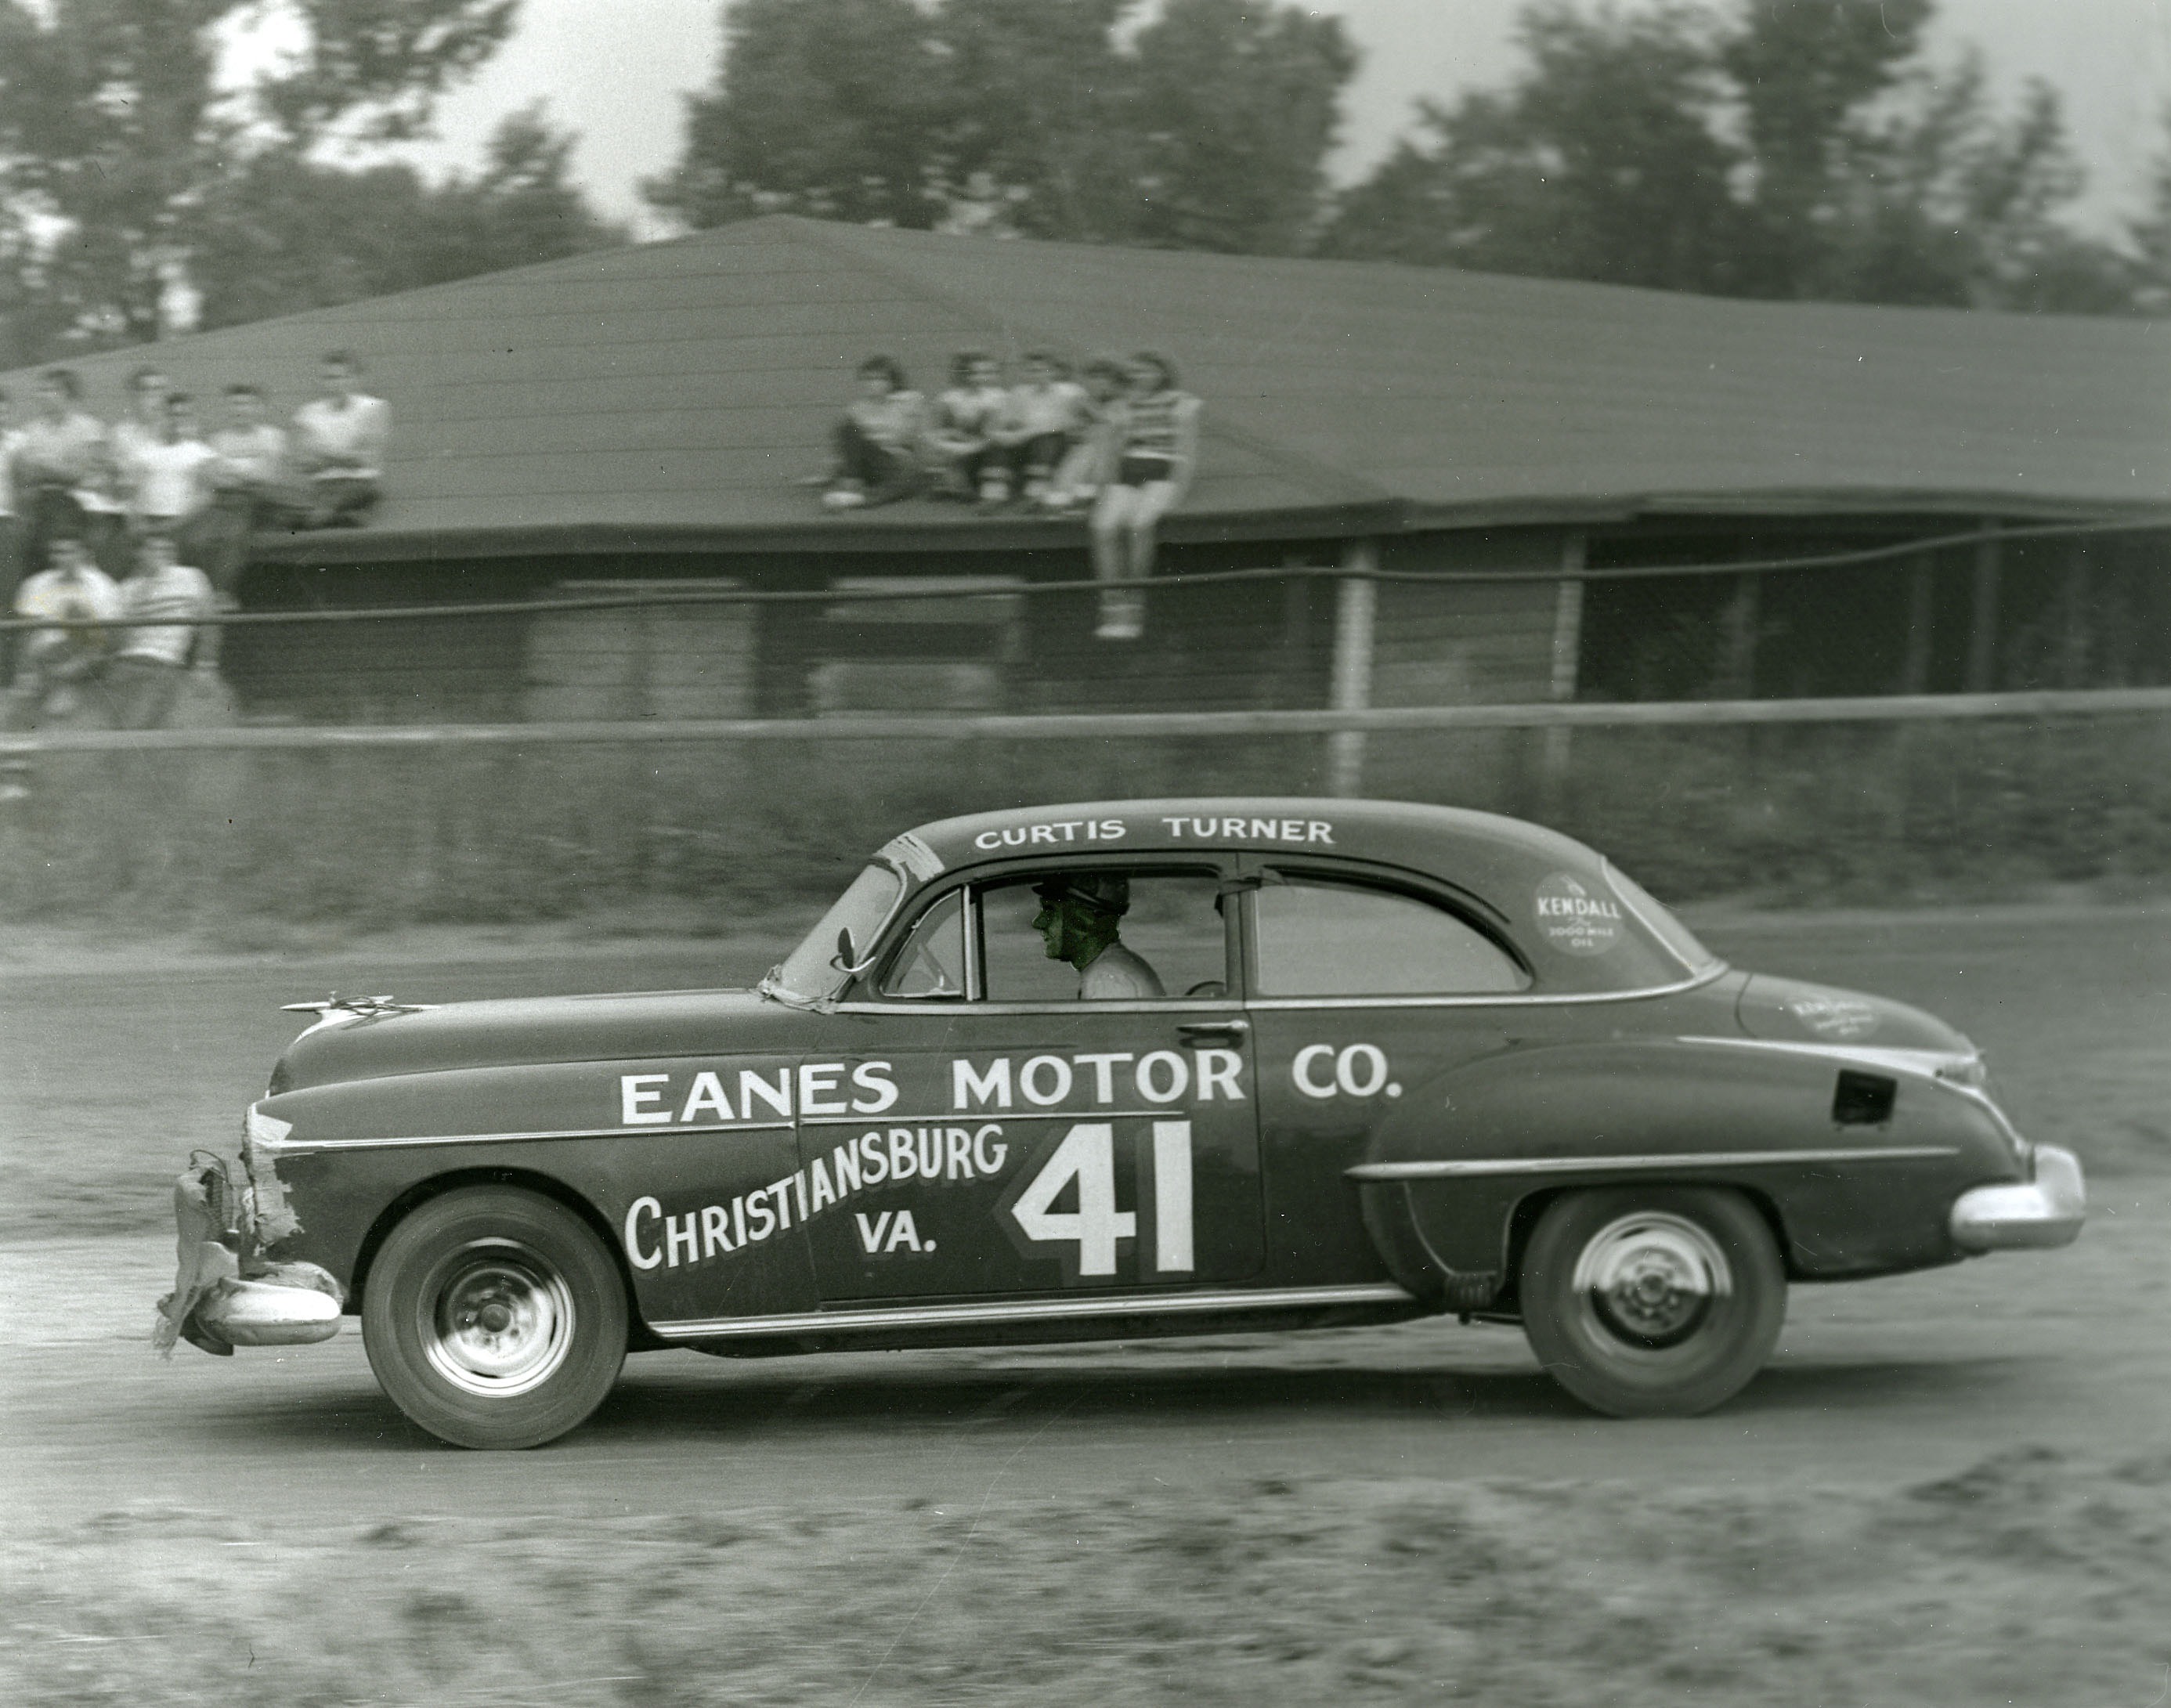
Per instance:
(1356,609)
(1567,660)
(1922,613)
(1982,618)
(1739,621)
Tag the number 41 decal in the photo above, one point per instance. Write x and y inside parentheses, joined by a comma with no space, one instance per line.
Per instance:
(1087,1155)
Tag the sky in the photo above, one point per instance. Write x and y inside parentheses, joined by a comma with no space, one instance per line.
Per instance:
(614,71)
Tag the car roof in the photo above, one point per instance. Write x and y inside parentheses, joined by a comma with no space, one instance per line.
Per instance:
(1441,840)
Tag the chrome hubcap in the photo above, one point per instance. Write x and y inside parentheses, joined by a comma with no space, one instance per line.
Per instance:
(498,1319)
(1649,1281)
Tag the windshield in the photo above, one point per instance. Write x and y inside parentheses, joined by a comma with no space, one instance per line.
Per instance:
(809,974)
(1662,925)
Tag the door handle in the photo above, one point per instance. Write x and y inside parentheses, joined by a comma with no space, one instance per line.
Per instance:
(1228,1031)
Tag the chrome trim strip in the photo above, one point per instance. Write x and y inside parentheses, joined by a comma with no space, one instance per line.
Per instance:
(291,1145)
(891,1119)
(1502,999)
(1207,1006)
(1031,1311)
(1641,1165)
(1921,1063)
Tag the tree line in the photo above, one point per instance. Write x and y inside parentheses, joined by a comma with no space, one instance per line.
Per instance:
(1805,149)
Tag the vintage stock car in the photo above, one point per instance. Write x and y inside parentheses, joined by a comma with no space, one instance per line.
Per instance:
(1108,1071)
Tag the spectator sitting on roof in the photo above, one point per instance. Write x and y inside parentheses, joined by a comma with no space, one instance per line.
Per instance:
(63,470)
(1079,916)
(250,489)
(340,440)
(168,477)
(877,440)
(1156,452)
(1040,419)
(163,598)
(961,435)
(1091,458)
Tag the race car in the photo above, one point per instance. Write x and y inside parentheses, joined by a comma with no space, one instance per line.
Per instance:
(1108,1071)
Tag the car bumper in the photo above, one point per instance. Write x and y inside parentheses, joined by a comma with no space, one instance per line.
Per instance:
(2030,1215)
(265,1314)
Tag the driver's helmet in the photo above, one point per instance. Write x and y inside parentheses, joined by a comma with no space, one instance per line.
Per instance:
(1103,892)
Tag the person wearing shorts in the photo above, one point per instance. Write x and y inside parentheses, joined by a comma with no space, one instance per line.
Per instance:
(1157,450)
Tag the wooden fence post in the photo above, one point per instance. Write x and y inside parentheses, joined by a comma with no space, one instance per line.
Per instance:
(1356,610)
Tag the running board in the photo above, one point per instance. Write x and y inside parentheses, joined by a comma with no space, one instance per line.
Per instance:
(1052,1310)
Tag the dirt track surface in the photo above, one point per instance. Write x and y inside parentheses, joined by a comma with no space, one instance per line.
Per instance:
(1895,1379)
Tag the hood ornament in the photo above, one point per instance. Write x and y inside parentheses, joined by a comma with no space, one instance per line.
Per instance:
(362,1007)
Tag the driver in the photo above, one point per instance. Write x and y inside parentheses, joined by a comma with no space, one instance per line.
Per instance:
(1078,919)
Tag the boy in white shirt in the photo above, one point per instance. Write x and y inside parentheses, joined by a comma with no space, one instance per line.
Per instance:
(168,476)
(339,441)
(961,436)
(1041,420)
(63,469)
(250,488)
(56,666)
(163,598)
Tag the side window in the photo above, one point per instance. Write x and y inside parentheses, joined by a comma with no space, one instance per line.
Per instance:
(930,967)
(1169,940)
(1318,938)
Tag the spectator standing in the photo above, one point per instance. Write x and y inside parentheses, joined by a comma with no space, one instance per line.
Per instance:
(163,599)
(877,443)
(339,441)
(170,481)
(961,436)
(56,668)
(1042,419)
(143,426)
(64,471)
(1156,454)
(1086,467)
(11,533)
(250,488)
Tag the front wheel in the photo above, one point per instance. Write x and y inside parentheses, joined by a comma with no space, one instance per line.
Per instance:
(494,1318)
(1655,1302)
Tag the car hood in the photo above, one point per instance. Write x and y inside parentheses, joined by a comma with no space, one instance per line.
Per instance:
(1789,1010)
(638,1024)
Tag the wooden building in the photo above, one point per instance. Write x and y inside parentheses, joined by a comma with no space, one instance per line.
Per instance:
(648,419)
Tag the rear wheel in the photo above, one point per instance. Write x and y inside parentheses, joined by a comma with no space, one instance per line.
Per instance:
(1652,1302)
(495,1318)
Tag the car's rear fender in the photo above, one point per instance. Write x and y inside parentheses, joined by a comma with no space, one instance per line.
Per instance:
(1855,1174)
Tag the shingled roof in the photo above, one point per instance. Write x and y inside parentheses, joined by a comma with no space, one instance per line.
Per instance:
(676,393)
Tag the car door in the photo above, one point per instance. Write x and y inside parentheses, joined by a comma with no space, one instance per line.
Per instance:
(1037,1143)
(1366,986)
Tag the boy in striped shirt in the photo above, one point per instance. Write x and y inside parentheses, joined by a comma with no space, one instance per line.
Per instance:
(162,599)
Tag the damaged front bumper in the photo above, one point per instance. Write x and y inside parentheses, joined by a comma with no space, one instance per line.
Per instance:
(227,1294)
(2032,1215)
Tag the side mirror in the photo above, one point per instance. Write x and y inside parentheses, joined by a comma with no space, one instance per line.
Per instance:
(846,961)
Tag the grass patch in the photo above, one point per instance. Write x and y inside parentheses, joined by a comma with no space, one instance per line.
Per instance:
(2026,1578)
(251,843)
